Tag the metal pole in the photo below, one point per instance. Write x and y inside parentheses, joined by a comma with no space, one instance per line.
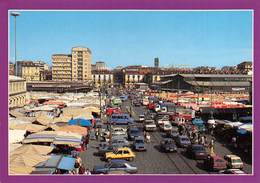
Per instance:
(15,46)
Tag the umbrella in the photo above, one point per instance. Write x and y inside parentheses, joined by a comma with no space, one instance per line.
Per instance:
(74,129)
(16,135)
(33,149)
(80,122)
(19,170)
(28,127)
(26,160)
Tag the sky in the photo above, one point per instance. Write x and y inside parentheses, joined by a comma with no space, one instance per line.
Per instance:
(190,38)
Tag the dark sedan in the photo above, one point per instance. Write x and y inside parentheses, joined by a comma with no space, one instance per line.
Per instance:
(197,151)
(139,144)
(183,141)
(104,149)
(134,132)
(168,145)
(115,166)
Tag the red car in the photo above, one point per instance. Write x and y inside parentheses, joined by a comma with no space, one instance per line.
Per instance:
(151,106)
(215,163)
(110,111)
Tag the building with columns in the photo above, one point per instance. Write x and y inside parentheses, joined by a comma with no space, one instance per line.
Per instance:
(102,77)
(17,91)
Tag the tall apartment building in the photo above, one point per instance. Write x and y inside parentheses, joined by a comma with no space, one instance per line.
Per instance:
(61,67)
(81,64)
(74,67)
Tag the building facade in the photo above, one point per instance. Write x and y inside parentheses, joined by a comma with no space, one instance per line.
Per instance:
(102,77)
(81,64)
(245,67)
(17,91)
(11,69)
(74,67)
(31,70)
(206,82)
(61,67)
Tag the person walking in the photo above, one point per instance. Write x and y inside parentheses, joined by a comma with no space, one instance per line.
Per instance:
(96,134)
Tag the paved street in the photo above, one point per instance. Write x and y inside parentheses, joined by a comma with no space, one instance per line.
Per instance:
(153,161)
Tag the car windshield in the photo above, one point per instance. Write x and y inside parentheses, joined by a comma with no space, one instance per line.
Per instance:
(185,139)
(236,161)
(198,148)
(139,141)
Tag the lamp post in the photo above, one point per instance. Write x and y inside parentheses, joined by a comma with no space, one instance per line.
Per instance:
(15,14)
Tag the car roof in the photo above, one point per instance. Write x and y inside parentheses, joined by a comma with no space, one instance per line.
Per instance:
(123,148)
(232,156)
(139,138)
(118,161)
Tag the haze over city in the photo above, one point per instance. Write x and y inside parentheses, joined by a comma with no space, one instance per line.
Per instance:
(195,38)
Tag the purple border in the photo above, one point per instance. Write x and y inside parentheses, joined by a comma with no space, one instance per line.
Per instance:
(117,4)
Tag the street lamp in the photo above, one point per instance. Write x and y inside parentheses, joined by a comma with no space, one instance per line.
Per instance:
(15,14)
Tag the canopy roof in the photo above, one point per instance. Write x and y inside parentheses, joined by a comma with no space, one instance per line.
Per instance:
(33,149)
(56,137)
(26,160)
(28,127)
(73,129)
(20,170)
(16,135)
(80,122)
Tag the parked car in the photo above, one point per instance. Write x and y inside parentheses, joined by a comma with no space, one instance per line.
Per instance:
(119,131)
(139,144)
(214,163)
(134,132)
(174,133)
(166,126)
(137,103)
(121,153)
(197,151)
(118,141)
(149,125)
(183,141)
(115,166)
(120,119)
(168,145)
(232,171)
(233,162)
(104,149)
(161,118)
(141,118)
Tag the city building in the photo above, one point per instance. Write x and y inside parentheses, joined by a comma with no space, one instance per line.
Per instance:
(11,69)
(74,67)
(206,82)
(61,67)
(156,62)
(17,91)
(101,66)
(31,70)
(245,67)
(102,77)
(81,64)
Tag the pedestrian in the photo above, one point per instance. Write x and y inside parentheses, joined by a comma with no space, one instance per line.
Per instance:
(82,169)
(87,172)
(202,140)
(148,137)
(96,134)
(234,142)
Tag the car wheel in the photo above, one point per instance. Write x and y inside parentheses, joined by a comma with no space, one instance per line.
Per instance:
(131,159)
(108,159)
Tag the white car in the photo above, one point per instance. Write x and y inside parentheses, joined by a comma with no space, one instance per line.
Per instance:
(150,125)
(119,132)
(141,118)
(166,126)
